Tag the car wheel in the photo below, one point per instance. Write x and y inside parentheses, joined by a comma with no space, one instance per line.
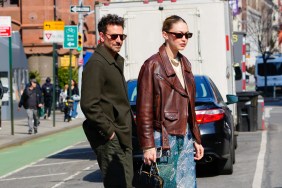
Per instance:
(226,166)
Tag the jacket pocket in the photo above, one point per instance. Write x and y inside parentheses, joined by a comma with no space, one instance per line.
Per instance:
(171,116)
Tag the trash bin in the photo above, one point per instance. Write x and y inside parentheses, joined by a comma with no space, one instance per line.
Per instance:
(247,111)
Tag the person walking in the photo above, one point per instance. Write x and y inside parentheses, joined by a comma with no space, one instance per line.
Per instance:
(75,97)
(31,100)
(105,105)
(166,120)
(47,90)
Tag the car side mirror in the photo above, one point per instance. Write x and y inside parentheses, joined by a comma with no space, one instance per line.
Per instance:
(231,99)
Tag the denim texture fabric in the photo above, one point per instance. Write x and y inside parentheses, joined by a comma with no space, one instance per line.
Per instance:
(178,170)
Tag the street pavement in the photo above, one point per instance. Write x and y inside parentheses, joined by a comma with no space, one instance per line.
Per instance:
(45,128)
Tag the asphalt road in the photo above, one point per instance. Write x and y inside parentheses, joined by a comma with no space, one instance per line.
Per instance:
(258,162)
(273,161)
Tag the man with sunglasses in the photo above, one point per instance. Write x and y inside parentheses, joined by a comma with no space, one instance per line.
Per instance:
(104,103)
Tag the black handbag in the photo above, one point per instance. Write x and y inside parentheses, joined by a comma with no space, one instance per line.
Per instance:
(148,177)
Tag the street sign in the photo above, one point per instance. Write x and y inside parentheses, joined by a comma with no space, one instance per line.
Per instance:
(53,31)
(65,61)
(70,37)
(74,8)
(5,26)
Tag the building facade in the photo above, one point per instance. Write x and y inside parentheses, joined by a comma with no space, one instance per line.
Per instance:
(259,19)
(28,17)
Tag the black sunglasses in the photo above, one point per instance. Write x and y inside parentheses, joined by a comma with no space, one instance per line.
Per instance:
(180,35)
(115,36)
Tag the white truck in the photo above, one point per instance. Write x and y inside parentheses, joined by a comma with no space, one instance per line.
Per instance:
(273,71)
(209,50)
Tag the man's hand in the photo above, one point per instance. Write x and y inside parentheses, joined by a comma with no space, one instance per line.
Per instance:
(199,151)
(150,155)
(19,109)
(40,105)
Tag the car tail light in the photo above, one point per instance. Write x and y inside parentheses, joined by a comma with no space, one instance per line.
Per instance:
(206,116)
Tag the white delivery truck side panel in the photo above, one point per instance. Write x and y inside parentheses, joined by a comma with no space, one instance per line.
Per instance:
(208,50)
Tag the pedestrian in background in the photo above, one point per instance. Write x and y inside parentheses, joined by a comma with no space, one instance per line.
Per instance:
(47,90)
(104,103)
(31,100)
(75,97)
(64,93)
(166,120)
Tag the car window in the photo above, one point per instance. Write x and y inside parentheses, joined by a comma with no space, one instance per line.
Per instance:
(132,90)
(201,88)
(217,93)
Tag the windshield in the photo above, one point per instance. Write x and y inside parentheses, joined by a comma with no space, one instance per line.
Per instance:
(201,88)
(132,90)
(273,69)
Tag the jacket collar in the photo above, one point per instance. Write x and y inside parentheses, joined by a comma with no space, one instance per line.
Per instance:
(167,65)
(172,78)
(118,61)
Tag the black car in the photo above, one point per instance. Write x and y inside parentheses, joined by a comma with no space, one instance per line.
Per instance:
(214,119)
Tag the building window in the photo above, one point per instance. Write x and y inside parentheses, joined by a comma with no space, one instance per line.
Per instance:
(14,2)
(7,3)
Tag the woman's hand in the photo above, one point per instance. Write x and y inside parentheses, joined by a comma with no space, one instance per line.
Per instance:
(149,155)
(199,151)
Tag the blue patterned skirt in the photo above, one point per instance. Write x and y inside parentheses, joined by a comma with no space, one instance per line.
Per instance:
(178,170)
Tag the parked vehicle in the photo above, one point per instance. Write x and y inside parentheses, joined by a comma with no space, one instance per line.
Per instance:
(215,121)
(209,50)
(273,71)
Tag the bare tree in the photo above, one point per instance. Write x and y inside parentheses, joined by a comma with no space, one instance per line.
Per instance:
(264,36)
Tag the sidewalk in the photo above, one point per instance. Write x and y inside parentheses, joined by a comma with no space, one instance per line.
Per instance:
(45,128)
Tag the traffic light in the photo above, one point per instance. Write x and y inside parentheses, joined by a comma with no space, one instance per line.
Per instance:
(79,42)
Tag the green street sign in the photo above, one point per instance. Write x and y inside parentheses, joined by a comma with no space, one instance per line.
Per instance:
(70,37)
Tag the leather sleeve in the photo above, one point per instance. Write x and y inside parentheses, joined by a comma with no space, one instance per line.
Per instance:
(145,115)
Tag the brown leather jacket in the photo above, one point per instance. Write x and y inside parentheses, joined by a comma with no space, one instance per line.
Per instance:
(163,102)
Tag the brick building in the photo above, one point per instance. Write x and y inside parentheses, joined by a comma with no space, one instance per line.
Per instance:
(28,17)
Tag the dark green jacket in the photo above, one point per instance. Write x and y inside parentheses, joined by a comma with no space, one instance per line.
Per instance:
(104,99)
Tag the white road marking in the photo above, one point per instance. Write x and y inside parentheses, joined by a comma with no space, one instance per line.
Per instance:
(30,177)
(50,164)
(260,161)
(26,166)
(72,176)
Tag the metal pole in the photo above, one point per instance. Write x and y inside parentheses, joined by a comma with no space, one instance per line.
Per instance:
(54,83)
(54,73)
(11,85)
(70,73)
(80,58)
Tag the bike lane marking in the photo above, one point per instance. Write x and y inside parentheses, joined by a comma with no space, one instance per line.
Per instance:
(19,157)
(261,156)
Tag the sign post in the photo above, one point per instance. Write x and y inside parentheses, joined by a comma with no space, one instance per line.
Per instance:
(70,42)
(53,31)
(79,9)
(70,37)
(6,31)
